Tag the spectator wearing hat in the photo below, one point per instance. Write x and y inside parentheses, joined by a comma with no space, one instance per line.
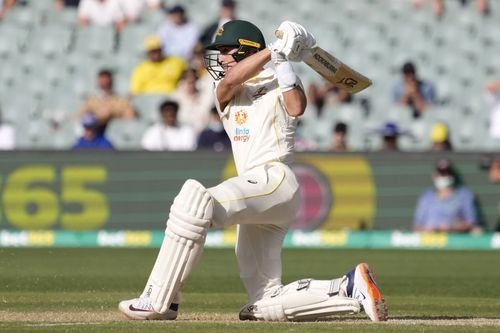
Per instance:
(101,13)
(390,133)
(440,137)
(412,91)
(227,12)
(449,206)
(157,74)
(177,34)
(92,138)
(339,139)
(168,134)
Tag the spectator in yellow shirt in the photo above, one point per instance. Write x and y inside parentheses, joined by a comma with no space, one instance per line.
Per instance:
(158,74)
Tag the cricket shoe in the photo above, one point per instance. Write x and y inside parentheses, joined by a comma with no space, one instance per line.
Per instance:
(248,312)
(142,309)
(361,285)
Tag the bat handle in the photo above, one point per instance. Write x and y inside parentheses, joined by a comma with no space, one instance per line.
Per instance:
(278,34)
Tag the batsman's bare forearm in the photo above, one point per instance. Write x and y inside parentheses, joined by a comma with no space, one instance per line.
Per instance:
(295,101)
(243,71)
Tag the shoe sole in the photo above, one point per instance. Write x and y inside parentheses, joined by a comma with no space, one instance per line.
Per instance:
(152,318)
(378,305)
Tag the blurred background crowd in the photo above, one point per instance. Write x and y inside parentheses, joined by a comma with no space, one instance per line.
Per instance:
(129,74)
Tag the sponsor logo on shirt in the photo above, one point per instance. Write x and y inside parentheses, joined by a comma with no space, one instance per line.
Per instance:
(259,93)
(241,134)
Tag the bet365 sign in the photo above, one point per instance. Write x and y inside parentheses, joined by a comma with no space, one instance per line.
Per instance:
(44,197)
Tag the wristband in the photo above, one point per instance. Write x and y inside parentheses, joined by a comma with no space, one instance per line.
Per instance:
(287,79)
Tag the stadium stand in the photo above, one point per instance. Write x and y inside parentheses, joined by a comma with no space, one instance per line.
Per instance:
(46,57)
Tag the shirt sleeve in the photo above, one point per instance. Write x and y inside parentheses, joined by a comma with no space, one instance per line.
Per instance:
(468,207)
(153,3)
(136,81)
(421,211)
(148,141)
(118,14)
(83,9)
(397,91)
(428,92)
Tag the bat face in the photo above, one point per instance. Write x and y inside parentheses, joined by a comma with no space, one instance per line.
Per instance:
(336,72)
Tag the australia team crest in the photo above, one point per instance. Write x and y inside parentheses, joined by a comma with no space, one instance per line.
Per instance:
(241,117)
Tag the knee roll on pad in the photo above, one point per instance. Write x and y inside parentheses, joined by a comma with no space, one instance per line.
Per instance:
(192,211)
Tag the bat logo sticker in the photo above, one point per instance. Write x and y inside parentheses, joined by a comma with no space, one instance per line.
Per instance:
(348,82)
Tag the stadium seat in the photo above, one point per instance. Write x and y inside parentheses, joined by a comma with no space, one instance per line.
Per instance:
(13,40)
(35,134)
(147,106)
(126,134)
(39,5)
(94,41)
(50,41)
(131,40)
(65,18)
(65,135)
(22,16)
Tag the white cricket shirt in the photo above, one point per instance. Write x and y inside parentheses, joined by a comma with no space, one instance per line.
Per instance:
(260,129)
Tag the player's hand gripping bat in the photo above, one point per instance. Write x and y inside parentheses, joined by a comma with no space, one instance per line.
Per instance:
(333,70)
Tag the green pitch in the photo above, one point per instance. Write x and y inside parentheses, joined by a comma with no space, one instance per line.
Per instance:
(77,290)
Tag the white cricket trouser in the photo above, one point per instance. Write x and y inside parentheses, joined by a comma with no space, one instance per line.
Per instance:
(263,203)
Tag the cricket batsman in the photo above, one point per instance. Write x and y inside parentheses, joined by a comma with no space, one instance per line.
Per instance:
(259,109)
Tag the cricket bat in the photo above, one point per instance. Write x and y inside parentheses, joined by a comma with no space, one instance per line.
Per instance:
(334,70)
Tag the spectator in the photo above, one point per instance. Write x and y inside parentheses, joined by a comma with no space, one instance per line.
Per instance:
(7,136)
(449,207)
(92,137)
(214,137)
(178,35)
(390,135)
(326,95)
(205,81)
(105,103)
(157,74)
(133,9)
(339,142)
(5,6)
(439,8)
(493,97)
(101,13)
(494,175)
(194,106)
(412,91)
(301,142)
(61,4)
(227,13)
(169,134)
(440,137)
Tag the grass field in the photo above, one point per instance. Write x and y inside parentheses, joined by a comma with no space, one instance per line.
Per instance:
(77,290)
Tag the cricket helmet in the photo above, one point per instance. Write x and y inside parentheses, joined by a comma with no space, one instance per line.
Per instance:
(238,33)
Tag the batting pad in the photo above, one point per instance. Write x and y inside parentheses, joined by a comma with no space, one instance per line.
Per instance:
(189,219)
(297,301)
